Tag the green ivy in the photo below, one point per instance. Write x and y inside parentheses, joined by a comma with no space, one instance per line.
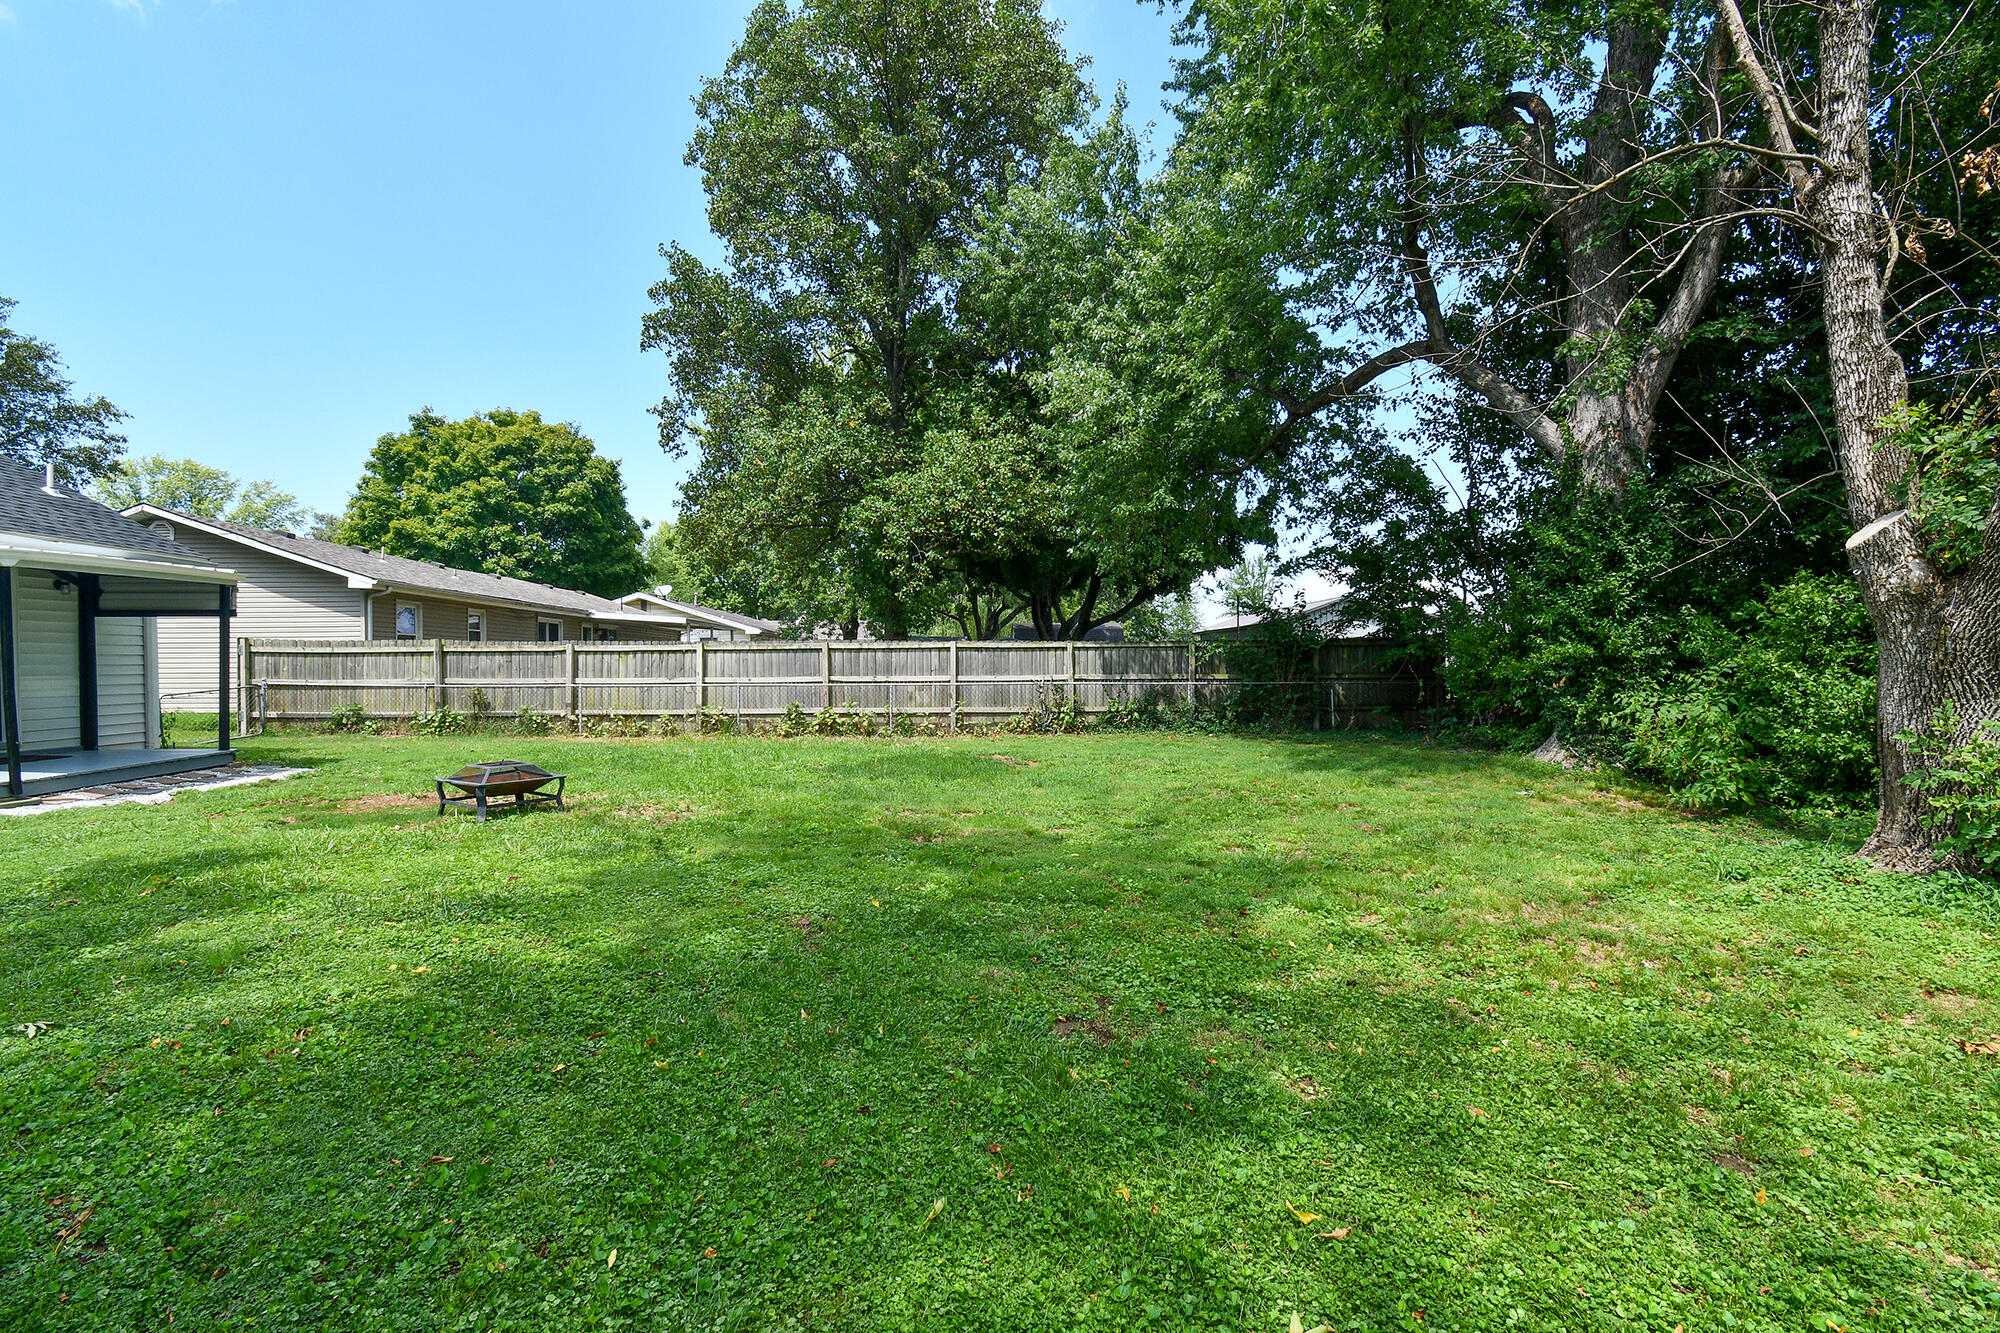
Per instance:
(1954,474)
(1962,780)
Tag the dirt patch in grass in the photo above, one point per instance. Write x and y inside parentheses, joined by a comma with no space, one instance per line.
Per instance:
(1735,1164)
(384,801)
(1105,1034)
(1595,953)
(658,814)
(1016,763)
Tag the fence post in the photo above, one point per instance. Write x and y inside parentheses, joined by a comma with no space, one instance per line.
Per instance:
(574,691)
(243,685)
(952,725)
(1072,673)
(437,674)
(826,669)
(700,679)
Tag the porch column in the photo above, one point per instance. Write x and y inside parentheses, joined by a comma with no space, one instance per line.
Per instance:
(10,711)
(222,667)
(89,595)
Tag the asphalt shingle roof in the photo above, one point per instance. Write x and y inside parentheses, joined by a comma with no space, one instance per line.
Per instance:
(418,575)
(65,515)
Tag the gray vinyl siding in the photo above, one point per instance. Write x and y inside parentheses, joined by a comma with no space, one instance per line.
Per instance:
(445,619)
(45,638)
(122,699)
(277,599)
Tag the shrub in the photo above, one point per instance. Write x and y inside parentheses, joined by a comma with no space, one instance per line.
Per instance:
(478,702)
(840,722)
(527,722)
(443,720)
(1962,780)
(714,722)
(1779,705)
(350,717)
(795,722)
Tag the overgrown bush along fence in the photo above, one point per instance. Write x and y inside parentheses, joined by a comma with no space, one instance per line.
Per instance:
(972,683)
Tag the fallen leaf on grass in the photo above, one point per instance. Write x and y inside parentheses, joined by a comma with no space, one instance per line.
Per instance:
(1990,1046)
(659,1064)
(936,1208)
(420,969)
(1123,1193)
(1473,1110)
(1338,1233)
(611,1259)
(557,1069)
(708,1253)
(435,1160)
(1298,1327)
(1303,1217)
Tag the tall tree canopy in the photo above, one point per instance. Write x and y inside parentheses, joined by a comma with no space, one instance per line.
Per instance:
(41,418)
(196,488)
(504,492)
(860,375)
(1539,204)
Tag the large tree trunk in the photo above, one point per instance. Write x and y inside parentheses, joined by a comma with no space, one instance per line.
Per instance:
(1939,636)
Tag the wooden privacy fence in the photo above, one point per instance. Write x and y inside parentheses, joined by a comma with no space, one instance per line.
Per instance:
(308,679)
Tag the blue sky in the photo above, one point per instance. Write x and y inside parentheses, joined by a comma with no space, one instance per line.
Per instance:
(271,230)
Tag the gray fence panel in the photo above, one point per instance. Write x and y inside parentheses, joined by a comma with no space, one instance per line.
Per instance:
(307,680)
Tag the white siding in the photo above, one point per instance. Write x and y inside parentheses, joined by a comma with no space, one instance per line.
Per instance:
(121,684)
(277,599)
(45,641)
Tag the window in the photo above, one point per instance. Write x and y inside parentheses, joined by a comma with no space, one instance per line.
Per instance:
(475,627)
(604,634)
(548,631)
(409,621)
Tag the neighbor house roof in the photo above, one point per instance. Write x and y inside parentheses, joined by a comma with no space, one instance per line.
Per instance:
(1323,615)
(692,611)
(43,522)
(372,570)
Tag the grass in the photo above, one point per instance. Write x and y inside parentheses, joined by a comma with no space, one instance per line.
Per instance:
(1109,1032)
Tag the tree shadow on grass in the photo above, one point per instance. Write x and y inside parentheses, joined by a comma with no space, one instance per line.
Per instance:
(751,1056)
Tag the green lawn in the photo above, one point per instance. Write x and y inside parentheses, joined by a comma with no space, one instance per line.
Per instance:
(1113,1032)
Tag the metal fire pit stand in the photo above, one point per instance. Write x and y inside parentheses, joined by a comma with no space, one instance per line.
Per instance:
(501,778)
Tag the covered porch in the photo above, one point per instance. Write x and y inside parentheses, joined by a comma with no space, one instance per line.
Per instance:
(79,666)
(43,774)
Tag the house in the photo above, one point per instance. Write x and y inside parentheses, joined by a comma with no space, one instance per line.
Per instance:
(84,594)
(301,588)
(702,622)
(1323,616)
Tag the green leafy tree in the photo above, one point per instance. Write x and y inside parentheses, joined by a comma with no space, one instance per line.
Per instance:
(1437,180)
(504,492)
(41,418)
(847,150)
(207,492)
(1170,619)
(1249,589)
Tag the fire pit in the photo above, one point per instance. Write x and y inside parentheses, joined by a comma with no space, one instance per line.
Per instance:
(499,778)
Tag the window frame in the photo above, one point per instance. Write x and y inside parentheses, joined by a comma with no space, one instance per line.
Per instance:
(416,610)
(475,626)
(548,629)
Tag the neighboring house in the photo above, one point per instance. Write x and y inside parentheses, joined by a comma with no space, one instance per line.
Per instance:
(300,588)
(83,594)
(1323,616)
(703,622)
(1110,631)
